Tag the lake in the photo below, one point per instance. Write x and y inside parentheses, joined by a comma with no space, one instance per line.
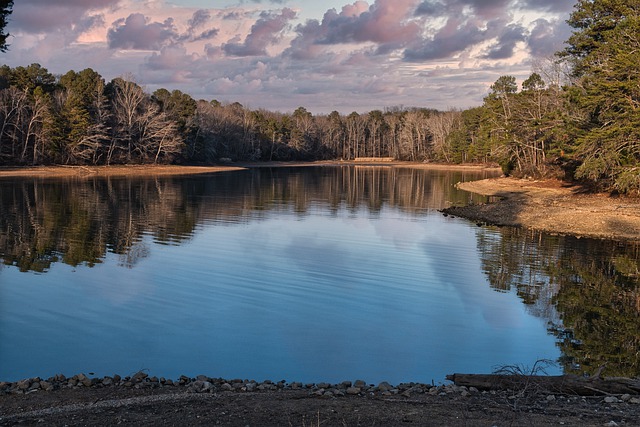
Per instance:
(303,274)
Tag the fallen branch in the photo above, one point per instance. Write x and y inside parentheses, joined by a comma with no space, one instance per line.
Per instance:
(562,384)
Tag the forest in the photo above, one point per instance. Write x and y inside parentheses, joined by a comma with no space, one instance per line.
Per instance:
(576,117)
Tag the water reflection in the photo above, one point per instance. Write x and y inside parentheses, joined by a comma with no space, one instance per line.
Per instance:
(306,274)
(78,221)
(587,290)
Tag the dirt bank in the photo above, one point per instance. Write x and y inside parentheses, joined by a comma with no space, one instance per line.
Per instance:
(552,206)
(232,404)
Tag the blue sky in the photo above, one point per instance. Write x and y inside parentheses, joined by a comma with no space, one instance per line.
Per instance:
(281,54)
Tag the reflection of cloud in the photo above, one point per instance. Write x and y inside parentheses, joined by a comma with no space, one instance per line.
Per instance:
(314,255)
(455,263)
(402,233)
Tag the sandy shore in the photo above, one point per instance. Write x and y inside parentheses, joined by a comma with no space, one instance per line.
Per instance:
(553,206)
(164,170)
(119,170)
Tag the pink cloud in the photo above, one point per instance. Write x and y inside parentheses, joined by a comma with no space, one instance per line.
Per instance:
(266,31)
(135,32)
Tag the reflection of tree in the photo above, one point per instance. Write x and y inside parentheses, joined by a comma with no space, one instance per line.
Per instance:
(78,221)
(588,290)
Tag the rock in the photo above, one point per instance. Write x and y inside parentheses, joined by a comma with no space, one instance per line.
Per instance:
(360,384)
(323,385)
(117,378)
(346,384)
(23,384)
(353,390)
(200,387)
(406,393)
(107,381)
(551,398)
(384,386)
(625,397)
(226,387)
(139,377)
(611,399)
(251,386)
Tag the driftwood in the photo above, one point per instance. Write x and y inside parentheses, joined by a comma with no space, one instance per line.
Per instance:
(561,384)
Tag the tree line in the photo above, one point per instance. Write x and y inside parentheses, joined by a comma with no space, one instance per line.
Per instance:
(577,115)
(78,118)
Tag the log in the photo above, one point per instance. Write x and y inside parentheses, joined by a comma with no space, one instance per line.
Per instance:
(560,384)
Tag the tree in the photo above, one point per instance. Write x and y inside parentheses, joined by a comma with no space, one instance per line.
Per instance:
(605,50)
(5,10)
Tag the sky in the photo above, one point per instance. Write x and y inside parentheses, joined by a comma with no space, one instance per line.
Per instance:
(325,55)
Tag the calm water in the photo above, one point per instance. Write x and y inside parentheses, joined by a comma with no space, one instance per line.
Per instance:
(309,274)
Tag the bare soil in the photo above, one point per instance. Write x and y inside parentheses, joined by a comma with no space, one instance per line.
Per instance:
(171,406)
(552,206)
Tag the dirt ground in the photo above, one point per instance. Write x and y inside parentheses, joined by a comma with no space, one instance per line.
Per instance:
(552,206)
(176,407)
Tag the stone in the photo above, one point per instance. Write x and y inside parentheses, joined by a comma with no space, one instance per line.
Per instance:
(551,398)
(360,384)
(107,381)
(611,399)
(251,386)
(384,386)
(346,384)
(24,384)
(634,400)
(625,397)
(353,390)
(323,385)
(226,387)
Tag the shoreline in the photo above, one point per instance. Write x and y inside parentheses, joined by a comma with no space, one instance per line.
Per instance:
(144,400)
(552,206)
(56,171)
(549,206)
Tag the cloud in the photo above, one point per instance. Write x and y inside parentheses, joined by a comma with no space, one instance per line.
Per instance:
(32,16)
(360,55)
(505,46)
(135,32)
(547,37)
(386,23)
(266,31)
(450,40)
